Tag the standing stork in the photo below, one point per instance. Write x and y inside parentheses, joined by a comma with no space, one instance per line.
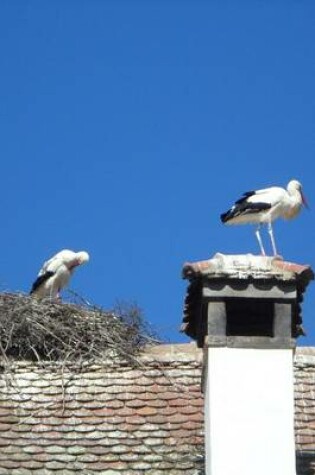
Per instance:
(56,273)
(264,206)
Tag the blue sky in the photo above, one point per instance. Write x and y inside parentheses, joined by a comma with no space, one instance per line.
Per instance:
(127,127)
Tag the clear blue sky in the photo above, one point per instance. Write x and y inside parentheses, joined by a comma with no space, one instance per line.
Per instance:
(127,127)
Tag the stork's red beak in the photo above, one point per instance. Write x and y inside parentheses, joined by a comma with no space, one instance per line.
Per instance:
(304,201)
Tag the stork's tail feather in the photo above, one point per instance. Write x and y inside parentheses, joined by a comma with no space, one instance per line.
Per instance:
(40,280)
(235,211)
(226,216)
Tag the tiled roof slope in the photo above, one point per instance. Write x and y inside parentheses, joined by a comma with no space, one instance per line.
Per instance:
(304,365)
(117,420)
(104,418)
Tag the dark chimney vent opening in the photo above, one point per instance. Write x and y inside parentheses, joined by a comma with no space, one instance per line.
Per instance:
(249,317)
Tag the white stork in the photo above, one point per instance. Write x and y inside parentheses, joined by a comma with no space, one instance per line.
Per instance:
(264,206)
(56,272)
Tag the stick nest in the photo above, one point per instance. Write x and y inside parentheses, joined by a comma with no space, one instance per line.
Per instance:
(40,330)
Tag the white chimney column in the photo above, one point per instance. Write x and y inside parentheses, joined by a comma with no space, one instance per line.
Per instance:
(245,311)
(249,412)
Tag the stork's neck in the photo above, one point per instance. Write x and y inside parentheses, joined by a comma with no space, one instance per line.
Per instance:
(72,265)
(295,196)
(296,201)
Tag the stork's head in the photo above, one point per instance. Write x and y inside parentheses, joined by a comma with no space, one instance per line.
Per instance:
(76,259)
(82,257)
(295,186)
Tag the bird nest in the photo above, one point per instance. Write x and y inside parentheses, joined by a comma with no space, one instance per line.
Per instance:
(40,330)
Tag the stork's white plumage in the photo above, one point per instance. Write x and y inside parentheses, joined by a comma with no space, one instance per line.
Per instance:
(264,206)
(56,272)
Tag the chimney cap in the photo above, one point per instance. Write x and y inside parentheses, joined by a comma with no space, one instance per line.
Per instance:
(244,266)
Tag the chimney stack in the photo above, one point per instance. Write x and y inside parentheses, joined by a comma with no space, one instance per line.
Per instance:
(245,312)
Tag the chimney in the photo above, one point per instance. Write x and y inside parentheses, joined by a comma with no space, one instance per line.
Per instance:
(245,312)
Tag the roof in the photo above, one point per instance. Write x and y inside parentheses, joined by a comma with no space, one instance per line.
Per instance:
(256,270)
(105,417)
(304,372)
(114,419)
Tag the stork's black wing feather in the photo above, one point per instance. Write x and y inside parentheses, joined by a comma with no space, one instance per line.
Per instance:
(244,197)
(242,208)
(238,206)
(40,280)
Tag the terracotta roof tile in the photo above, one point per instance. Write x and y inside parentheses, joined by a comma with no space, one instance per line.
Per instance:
(245,265)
